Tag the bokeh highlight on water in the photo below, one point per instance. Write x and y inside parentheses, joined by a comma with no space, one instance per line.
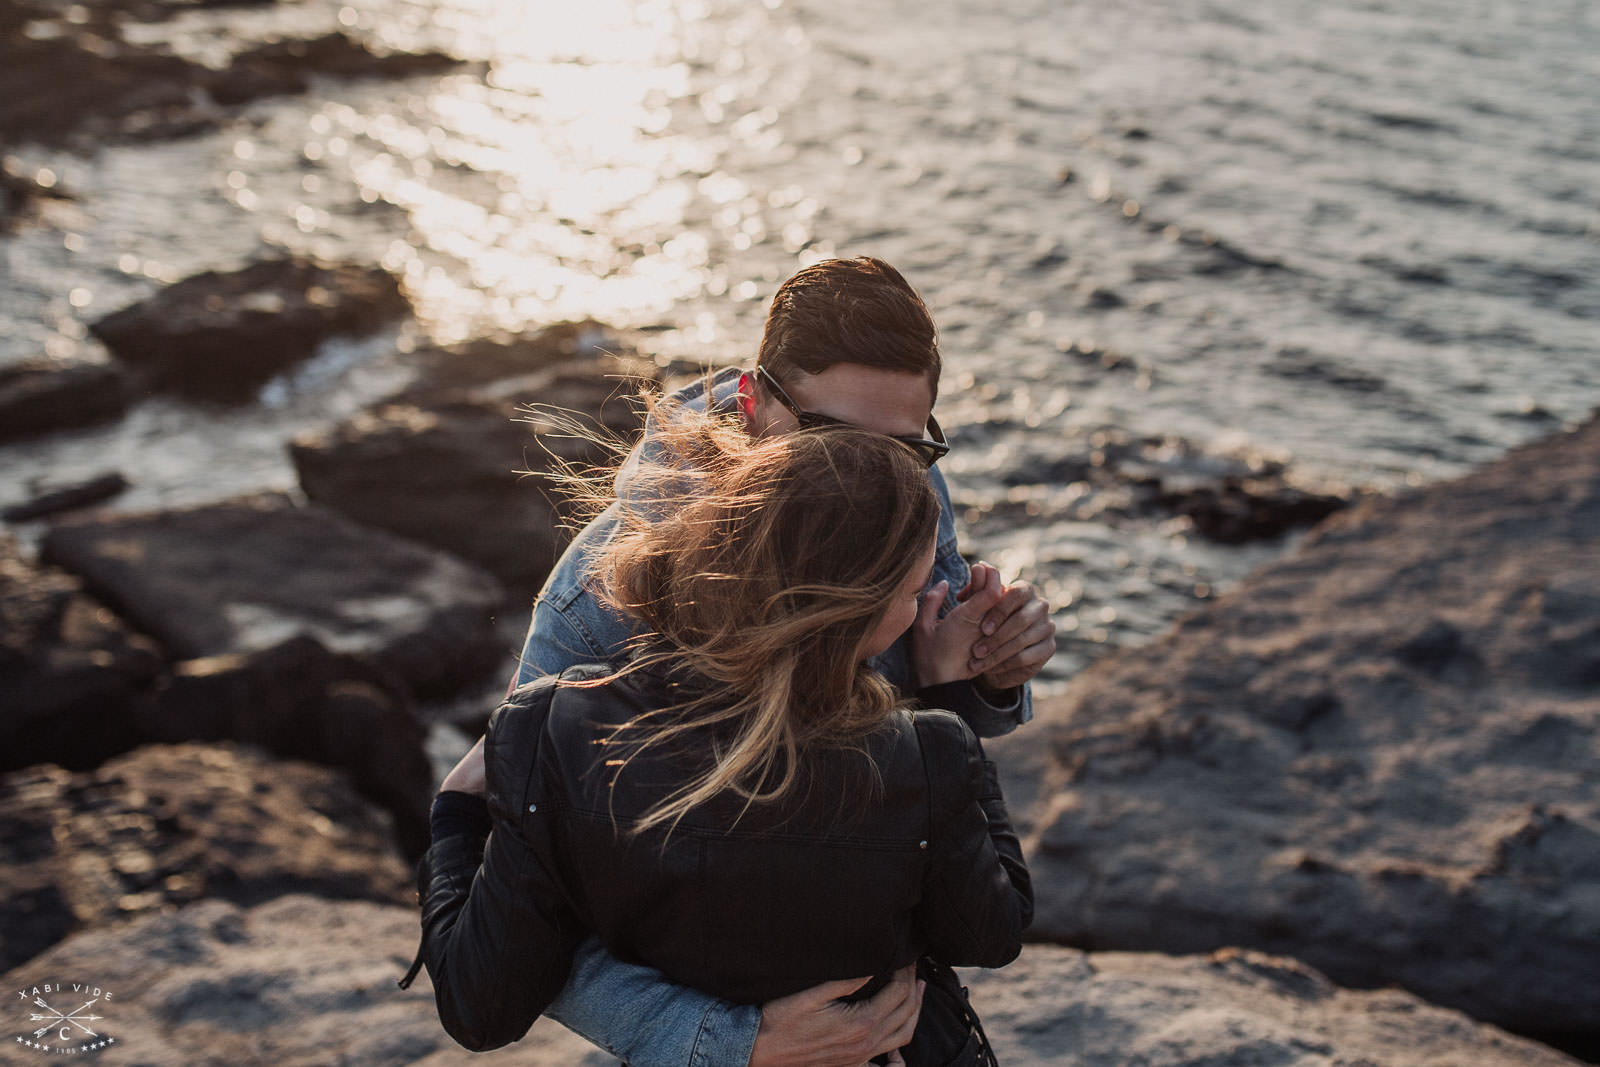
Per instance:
(1359,237)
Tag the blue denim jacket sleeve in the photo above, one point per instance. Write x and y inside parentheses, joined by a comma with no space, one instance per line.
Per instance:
(638,1015)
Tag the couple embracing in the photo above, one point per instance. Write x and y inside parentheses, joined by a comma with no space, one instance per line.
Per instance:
(735,810)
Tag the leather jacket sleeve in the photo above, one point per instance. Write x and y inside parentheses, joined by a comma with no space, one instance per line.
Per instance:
(978,894)
(498,939)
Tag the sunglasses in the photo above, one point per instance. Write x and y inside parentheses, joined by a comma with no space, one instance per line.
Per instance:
(929,449)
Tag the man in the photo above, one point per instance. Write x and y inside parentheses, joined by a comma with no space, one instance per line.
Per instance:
(845,341)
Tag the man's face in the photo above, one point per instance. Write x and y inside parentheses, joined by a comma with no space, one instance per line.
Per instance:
(891,402)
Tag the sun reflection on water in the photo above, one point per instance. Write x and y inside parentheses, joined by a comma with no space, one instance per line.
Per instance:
(587,166)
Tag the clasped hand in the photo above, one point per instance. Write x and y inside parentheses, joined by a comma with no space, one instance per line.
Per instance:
(1002,635)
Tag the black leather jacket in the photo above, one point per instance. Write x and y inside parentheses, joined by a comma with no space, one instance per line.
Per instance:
(857,872)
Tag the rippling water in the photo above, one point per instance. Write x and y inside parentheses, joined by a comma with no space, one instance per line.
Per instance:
(1362,238)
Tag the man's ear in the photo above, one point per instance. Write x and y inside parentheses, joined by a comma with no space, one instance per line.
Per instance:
(747,399)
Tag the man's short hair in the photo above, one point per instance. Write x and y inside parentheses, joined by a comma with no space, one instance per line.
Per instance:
(849,311)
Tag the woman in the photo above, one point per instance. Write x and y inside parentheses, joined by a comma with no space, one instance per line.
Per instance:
(745,806)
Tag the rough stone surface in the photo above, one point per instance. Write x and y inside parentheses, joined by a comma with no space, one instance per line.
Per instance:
(300,981)
(44,395)
(297,700)
(223,334)
(245,575)
(1377,755)
(296,982)
(70,671)
(166,825)
(469,472)
(1234,1008)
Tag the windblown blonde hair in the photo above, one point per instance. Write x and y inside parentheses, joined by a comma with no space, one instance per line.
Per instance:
(764,564)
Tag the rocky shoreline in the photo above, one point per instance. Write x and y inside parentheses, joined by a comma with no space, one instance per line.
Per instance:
(1371,765)
(1344,814)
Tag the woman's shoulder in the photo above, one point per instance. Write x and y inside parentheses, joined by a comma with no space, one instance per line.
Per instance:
(951,754)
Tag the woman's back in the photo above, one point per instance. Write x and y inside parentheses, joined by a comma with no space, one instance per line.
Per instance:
(855,871)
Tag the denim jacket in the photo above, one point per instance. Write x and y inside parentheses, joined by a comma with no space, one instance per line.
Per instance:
(634,1012)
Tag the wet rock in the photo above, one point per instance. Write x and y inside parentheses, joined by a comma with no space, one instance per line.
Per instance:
(1229,499)
(485,360)
(42,396)
(122,90)
(110,82)
(297,700)
(70,671)
(1239,510)
(1377,755)
(167,825)
(244,575)
(52,499)
(223,334)
(1231,1009)
(287,67)
(299,981)
(1102,298)
(453,472)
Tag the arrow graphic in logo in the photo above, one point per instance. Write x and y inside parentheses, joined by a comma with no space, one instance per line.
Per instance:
(55,1018)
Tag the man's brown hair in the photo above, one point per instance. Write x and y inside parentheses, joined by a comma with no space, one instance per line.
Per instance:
(849,311)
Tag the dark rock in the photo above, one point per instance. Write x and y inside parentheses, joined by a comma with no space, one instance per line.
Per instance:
(1234,1008)
(110,81)
(465,472)
(167,825)
(121,90)
(1377,756)
(222,335)
(484,360)
(1101,298)
(287,67)
(243,575)
(51,500)
(1239,510)
(44,395)
(298,981)
(70,671)
(300,701)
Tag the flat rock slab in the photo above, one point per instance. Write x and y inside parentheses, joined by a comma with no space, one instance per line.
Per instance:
(297,982)
(223,334)
(469,472)
(1235,1008)
(1378,755)
(244,575)
(167,825)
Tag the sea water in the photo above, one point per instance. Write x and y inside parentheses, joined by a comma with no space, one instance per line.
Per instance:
(1358,239)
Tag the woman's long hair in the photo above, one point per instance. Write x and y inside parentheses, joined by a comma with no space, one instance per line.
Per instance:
(764,564)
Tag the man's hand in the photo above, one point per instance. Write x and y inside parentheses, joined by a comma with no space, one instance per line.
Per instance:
(812,1028)
(941,649)
(1017,636)
(469,775)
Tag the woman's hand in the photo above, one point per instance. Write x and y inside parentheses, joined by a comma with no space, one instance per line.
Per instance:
(941,649)
(469,775)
